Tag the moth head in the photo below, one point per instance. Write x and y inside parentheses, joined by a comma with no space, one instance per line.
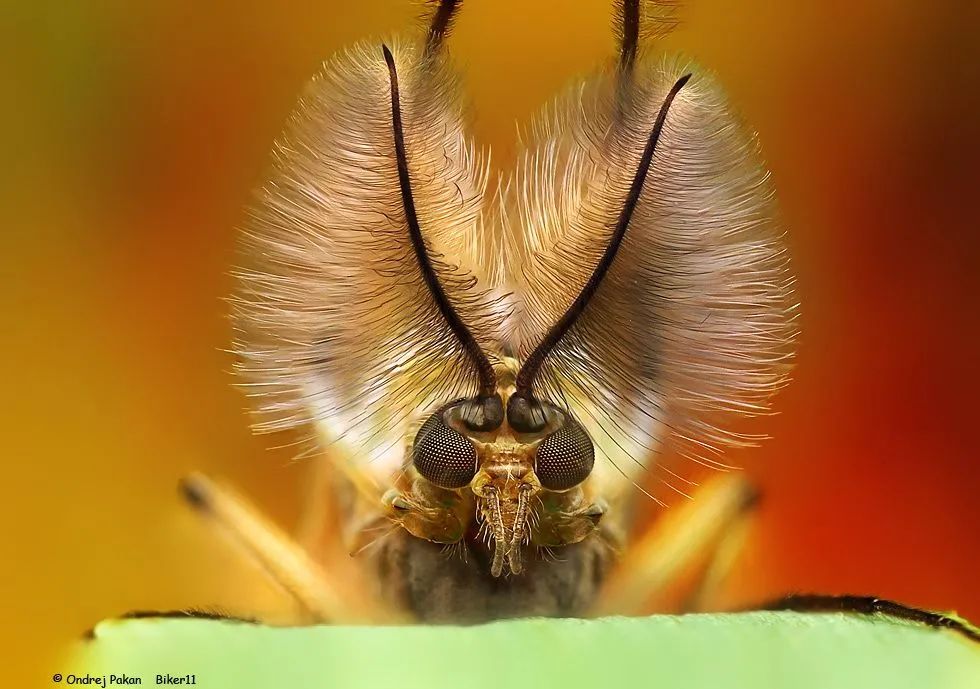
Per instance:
(449,452)
(371,303)
(508,458)
(504,468)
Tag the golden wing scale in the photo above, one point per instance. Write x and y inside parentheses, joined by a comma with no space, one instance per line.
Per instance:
(495,374)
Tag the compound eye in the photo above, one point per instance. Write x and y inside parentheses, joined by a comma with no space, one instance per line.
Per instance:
(565,457)
(442,454)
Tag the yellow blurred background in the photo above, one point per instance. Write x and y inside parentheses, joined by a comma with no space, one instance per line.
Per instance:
(133,134)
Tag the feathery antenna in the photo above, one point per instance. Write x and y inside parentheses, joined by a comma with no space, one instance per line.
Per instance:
(488,378)
(629,27)
(441,24)
(532,366)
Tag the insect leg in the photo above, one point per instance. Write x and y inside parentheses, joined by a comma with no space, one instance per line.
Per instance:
(683,540)
(869,605)
(707,591)
(287,563)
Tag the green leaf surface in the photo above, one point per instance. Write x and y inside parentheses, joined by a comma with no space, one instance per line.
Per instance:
(757,650)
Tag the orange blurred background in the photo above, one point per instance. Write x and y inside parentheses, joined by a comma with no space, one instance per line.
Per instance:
(134,133)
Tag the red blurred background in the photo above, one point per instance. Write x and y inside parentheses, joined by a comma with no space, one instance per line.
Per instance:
(135,132)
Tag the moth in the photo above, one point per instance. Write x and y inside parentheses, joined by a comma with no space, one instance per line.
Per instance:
(491,370)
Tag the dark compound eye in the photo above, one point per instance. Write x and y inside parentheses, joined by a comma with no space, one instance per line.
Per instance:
(442,454)
(565,457)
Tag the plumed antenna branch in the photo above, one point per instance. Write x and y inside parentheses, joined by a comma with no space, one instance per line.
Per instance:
(488,379)
(635,20)
(529,371)
(629,27)
(442,21)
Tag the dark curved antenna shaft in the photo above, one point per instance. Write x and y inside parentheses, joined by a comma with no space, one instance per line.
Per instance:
(442,22)
(531,367)
(488,379)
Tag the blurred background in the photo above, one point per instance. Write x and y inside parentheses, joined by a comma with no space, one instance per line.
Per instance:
(133,134)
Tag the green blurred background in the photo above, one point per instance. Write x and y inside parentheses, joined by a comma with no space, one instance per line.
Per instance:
(134,132)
